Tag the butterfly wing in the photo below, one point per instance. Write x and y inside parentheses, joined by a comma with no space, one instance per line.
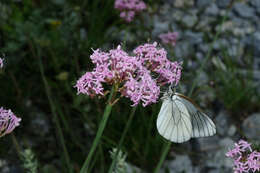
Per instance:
(202,125)
(173,121)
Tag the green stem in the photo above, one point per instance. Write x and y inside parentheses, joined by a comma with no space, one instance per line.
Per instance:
(56,119)
(129,121)
(101,128)
(17,147)
(165,151)
(167,147)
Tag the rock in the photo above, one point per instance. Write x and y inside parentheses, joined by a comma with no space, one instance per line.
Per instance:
(218,158)
(178,15)
(193,37)
(159,26)
(203,3)
(232,130)
(251,127)
(205,23)
(181,163)
(256,5)
(39,121)
(203,48)
(256,63)
(243,10)
(208,143)
(222,123)
(223,3)
(200,56)
(227,26)
(203,78)
(180,50)
(212,10)
(183,3)
(252,43)
(189,20)
(220,44)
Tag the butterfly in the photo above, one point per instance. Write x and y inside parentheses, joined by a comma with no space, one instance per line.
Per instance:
(181,119)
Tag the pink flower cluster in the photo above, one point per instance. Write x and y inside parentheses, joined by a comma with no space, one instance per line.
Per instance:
(139,77)
(1,63)
(245,159)
(8,121)
(129,8)
(169,38)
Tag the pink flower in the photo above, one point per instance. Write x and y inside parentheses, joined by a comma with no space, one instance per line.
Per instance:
(8,121)
(132,74)
(1,63)
(244,161)
(156,61)
(128,8)
(169,38)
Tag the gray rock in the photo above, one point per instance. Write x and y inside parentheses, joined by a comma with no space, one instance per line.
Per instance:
(204,23)
(222,123)
(200,56)
(189,20)
(256,63)
(218,158)
(159,26)
(203,48)
(255,3)
(208,143)
(220,170)
(181,163)
(212,10)
(232,130)
(40,121)
(251,127)
(183,3)
(203,3)
(193,37)
(252,42)
(223,3)
(181,48)
(178,15)
(243,10)
(220,44)
(203,78)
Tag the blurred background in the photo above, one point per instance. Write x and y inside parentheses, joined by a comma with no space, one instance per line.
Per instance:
(46,47)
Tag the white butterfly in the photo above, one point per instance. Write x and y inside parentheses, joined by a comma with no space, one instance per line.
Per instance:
(181,119)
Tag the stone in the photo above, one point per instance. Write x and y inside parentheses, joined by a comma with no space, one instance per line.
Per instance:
(243,10)
(205,23)
(255,3)
(183,3)
(209,143)
(223,3)
(212,10)
(203,3)
(193,37)
(203,48)
(217,158)
(180,50)
(222,122)
(220,44)
(189,20)
(181,163)
(232,130)
(251,127)
(178,15)
(252,43)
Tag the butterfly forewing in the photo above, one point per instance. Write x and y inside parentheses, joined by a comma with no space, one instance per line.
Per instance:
(173,121)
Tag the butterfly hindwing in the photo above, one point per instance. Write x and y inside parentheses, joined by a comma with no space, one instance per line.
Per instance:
(202,125)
